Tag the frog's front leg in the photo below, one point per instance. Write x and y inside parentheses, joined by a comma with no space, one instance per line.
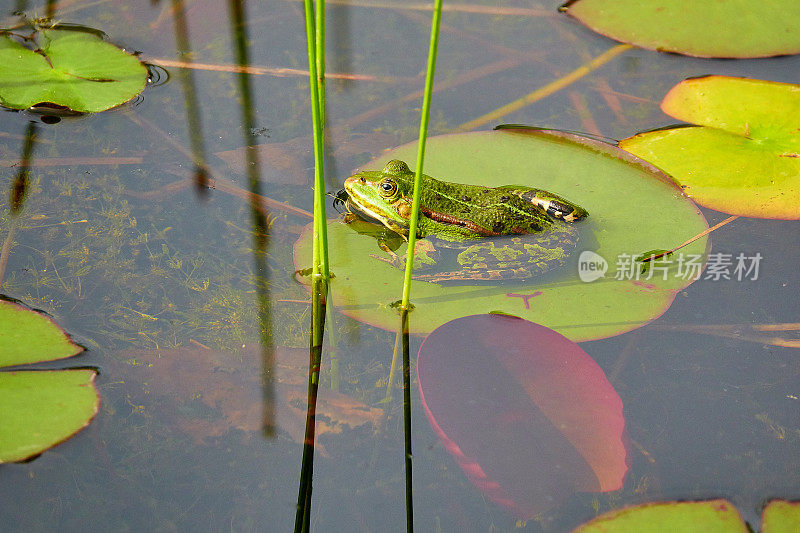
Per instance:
(425,256)
(553,204)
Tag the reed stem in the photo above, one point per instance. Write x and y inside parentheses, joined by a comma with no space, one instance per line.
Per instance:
(423,135)
(315,37)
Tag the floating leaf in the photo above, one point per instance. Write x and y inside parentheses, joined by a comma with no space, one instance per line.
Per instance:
(713,516)
(525,412)
(705,29)
(618,191)
(39,409)
(75,69)
(29,337)
(781,517)
(744,158)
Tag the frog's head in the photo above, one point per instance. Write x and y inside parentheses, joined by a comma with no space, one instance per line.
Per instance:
(383,195)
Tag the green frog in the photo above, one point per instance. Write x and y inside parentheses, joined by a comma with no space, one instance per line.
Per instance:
(509,232)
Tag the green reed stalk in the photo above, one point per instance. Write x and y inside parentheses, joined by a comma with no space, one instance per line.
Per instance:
(320,271)
(320,49)
(320,246)
(423,136)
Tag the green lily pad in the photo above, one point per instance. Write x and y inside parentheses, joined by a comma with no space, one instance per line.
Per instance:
(705,29)
(632,208)
(744,157)
(39,409)
(713,516)
(29,337)
(75,69)
(781,517)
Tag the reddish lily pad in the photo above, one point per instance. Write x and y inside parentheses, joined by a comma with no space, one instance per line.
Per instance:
(621,193)
(39,409)
(713,516)
(744,157)
(525,412)
(704,28)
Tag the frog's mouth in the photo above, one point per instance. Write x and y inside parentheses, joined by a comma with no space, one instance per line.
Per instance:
(364,213)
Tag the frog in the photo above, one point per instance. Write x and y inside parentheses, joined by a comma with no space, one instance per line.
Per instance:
(497,233)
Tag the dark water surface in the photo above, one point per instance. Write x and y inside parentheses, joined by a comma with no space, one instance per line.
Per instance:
(143,264)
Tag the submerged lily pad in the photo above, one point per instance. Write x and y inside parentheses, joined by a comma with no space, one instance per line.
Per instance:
(39,409)
(744,157)
(74,69)
(705,28)
(713,516)
(632,208)
(526,413)
(205,393)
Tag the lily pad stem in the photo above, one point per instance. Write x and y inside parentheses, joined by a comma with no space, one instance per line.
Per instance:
(690,241)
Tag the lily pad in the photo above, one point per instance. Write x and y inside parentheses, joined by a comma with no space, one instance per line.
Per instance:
(29,337)
(713,516)
(781,517)
(632,208)
(39,409)
(526,413)
(744,157)
(75,69)
(705,29)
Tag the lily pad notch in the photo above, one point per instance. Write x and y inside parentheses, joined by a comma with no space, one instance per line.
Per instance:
(71,68)
(39,408)
(743,155)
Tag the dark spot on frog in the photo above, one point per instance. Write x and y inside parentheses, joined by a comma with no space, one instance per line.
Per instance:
(535,226)
(466,211)
(466,198)
(498,227)
(504,199)
(438,196)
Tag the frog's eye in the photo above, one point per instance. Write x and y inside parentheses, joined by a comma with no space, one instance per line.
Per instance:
(387,188)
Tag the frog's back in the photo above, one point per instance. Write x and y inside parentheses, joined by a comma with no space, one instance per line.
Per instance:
(473,211)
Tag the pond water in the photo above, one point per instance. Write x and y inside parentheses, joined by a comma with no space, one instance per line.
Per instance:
(159,282)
